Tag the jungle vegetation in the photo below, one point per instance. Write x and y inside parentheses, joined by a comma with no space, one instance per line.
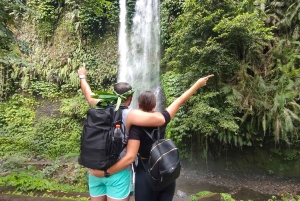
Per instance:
(252,48)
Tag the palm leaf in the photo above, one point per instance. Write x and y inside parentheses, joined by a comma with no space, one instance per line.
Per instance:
(118,104)
(292,114)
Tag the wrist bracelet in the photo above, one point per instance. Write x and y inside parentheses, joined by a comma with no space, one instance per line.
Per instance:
(81,76)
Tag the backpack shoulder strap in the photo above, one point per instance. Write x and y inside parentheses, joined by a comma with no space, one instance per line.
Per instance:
(125,112)
(152,134)
(149,134)
(118,114)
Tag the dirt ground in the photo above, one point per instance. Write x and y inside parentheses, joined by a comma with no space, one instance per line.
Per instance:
(241,187)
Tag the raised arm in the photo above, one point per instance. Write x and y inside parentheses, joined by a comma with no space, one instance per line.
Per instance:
(173,108)
(85,87)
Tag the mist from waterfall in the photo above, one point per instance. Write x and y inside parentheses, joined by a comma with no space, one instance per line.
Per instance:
(139,48)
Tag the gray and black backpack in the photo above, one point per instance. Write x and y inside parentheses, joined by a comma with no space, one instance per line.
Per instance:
(99,148)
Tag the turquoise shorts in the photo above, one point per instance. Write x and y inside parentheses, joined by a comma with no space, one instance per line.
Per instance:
(117,186)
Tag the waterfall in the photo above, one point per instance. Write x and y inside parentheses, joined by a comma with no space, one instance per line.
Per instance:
(139,48)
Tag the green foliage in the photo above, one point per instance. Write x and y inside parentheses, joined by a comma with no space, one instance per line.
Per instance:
(33,181)
(24,182)
(289,197)
(48,137)
(44,89)
(170,10)
(17,117)
(47,195)
(271,109)
(75,107)
(90,18)
(57,63)
(95,16)
(48,12)
(200,194)
(75,174)
(14,162)
(101,63)
(192,30)
(10,46)
(199,119)
(227,197)
(244,35)
(285,16)
(256,88)
(49,171)
(55,137)
(287,154)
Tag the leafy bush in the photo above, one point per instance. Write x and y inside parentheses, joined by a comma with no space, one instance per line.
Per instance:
(45,89)
(55,137)
(47,136)
(17,117)
(75,107)
(95,16)
(13,162)
(199,122)
(33,181)
(47,13)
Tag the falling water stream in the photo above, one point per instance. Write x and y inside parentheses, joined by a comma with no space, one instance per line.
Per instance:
(139,48)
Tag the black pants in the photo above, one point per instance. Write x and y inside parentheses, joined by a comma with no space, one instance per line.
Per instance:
(143,191)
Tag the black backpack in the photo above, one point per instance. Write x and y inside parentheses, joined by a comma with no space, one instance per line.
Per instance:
(100,149)
(163,166)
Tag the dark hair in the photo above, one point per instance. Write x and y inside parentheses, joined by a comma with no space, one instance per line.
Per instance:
(122,87)
(147,101)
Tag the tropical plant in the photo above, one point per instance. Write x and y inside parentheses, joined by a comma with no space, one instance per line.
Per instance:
(55,137)
(212,38)
(48,13)
(10,11)
(96,17)
(284,15)
(17,119)
(32,180)
(10,46)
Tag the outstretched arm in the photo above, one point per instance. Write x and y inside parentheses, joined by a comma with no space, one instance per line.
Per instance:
(131,153)
(85,87)
(173,108)
(141,118)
